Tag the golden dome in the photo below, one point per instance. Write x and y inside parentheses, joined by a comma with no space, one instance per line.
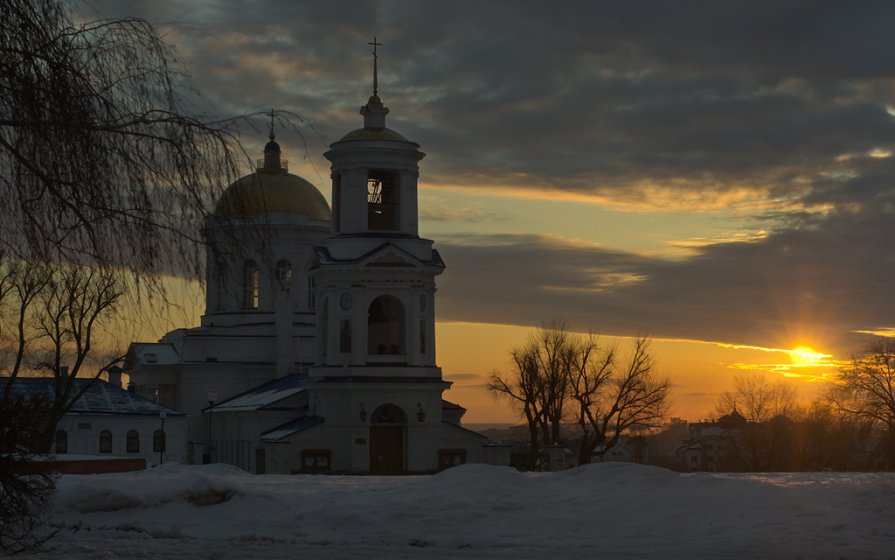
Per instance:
(374,134)
(268,191)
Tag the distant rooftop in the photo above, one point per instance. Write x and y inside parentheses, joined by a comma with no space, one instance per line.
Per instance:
(101,398)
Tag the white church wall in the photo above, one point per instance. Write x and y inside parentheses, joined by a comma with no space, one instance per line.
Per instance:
(83,434)
(236,436)
(285,237)
(227,380)
(454,437)
(348,409)
(286,457)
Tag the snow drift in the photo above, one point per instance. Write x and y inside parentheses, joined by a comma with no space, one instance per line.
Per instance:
(608,510)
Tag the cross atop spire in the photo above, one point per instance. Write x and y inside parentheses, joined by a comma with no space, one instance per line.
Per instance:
(272,114)
(375,69)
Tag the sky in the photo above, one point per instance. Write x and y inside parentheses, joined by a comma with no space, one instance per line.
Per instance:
(715,175)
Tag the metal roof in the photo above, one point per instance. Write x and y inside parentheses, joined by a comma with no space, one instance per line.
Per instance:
(261,396)
(101,398)
(291,427)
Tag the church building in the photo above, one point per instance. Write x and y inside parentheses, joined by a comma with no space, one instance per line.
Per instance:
(316,352)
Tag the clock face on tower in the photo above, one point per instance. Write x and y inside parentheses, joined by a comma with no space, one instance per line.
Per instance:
(345,301)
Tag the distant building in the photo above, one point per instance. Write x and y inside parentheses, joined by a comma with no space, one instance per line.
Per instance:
(109,421)
(712,445)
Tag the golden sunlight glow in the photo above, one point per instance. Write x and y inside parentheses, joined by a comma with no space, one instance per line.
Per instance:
(806,356)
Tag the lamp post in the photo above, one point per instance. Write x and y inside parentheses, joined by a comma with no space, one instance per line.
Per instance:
(212,396)
(161,450)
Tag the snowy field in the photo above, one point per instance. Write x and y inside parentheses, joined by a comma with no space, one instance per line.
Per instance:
(601,511)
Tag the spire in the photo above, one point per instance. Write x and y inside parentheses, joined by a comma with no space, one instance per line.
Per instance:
(272,148)
(375,68)
(272,115)
(374,111)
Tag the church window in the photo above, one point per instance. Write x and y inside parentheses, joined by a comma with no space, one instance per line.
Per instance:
(133,441)
(61,441)
(345,337)
(221,302)
(105,441)
(158,441)
(382,200)
(251,286)
(385,326)
(422,337)
(337,202)
(284,272)
(312,300)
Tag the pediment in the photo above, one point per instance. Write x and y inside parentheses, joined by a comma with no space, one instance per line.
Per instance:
(389,259)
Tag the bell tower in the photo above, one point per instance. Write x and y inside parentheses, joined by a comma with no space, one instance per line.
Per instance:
(374,173)
(374,298)
(375,277)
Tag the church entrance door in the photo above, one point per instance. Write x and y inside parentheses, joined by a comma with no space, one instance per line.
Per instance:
(386,450)
(387,440)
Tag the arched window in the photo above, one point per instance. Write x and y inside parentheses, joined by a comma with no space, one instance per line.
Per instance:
(133,441)
(105,441)
(345,337)
(158,441)
(222,272)
(388,414)
(61,441)
(284,272)
(251,286)
(382,200)
(385,326)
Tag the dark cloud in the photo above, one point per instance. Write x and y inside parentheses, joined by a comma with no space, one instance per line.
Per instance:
(785,100)
(584,96)
(818,282)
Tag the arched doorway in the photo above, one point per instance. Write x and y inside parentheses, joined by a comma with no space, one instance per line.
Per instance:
(387,440)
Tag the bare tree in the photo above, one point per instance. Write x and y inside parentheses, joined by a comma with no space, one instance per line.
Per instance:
(551,347)
(866,390)
(72,307)
(104,178)
(522,387)
(764,440)
(826,439)
(50,322)
(612,397)
(556,368)
(539,384)
(758,398)
(99,164)
(26,487)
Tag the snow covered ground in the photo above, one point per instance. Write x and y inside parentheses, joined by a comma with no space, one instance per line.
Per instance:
(612,510)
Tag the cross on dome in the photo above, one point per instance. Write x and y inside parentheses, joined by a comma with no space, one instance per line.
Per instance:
(272,114)
(272,149)
(375,69)
(374,111)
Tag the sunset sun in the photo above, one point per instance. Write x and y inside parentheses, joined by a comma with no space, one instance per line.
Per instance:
(806,356)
